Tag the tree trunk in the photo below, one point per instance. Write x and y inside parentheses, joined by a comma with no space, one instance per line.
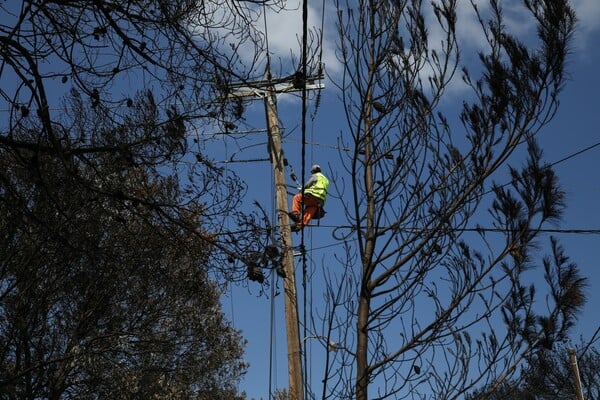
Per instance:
(362,364)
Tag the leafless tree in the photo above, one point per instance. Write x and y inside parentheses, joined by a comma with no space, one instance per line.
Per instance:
(185,51)
(439,297)
(112,217)
(83,80)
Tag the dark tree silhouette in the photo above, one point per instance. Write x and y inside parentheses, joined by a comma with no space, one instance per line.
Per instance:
(186,51)
(550,375)
(89,81)
(435,298)
(101,294)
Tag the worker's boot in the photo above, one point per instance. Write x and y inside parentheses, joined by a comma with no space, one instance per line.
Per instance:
(294,217)
(296,228)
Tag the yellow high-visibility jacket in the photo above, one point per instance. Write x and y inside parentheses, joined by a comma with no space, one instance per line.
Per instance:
(317,186)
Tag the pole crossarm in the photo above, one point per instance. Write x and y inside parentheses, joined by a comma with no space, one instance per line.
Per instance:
(260,89)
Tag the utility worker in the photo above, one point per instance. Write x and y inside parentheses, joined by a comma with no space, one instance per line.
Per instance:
(315,194)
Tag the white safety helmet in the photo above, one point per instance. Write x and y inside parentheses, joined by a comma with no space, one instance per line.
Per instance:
(315,168)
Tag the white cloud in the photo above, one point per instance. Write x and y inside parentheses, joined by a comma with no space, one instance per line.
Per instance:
(468,28)
(285,32)
(588,19)
(285,29)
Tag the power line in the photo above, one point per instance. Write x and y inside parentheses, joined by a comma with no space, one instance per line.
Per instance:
(303,169)
(478,229)
(575,154)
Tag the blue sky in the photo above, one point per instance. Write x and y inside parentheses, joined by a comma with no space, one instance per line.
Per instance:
(575,128)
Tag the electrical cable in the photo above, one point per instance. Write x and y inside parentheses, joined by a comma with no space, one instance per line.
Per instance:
(272,337)
(303,172)
(308,349)
(590,342)
(575,154)
(322,33)
(320,62)
(267,41)
(272,322)
(478,229)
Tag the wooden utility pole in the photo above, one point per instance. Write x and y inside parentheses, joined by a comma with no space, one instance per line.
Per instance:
(578,389)
(296,387)
(291,300)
